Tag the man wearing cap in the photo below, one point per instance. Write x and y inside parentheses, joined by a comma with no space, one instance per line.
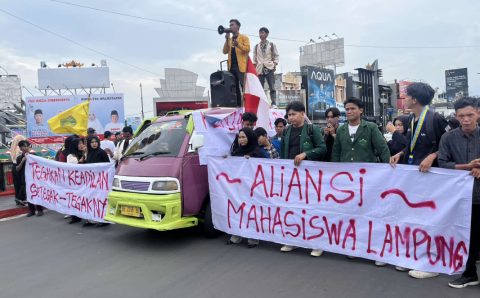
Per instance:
(114,125)
(39,128)
(265,58)
(91,132)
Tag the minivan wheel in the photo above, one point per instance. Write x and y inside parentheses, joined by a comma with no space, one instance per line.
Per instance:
(208,229)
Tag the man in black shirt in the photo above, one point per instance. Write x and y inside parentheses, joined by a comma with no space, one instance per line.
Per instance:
(21,160)
(330,132)
(460,149)
(249,120)
(237,47)
(425,128)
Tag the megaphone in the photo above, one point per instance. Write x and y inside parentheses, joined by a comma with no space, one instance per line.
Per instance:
(222,30)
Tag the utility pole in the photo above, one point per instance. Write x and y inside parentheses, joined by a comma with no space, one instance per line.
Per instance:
(141,100)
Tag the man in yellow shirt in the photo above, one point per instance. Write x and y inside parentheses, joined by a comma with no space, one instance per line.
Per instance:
(237,47)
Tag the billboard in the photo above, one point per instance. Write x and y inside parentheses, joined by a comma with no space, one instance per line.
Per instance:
(134,122)
(402,89)
(457,83)
(330,52)
(106,113)
(284,97)
(73,78)
(321,91)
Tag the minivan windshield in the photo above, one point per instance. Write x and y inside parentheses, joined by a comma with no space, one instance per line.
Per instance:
(162,138)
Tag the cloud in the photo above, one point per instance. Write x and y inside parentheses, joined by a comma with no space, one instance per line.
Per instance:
(155,46)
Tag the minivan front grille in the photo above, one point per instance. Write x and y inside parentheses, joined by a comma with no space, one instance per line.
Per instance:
(135,185)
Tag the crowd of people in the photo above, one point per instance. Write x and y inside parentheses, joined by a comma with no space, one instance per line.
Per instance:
(423,139)
(75,150)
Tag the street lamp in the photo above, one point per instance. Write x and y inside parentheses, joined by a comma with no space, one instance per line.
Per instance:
(4,70)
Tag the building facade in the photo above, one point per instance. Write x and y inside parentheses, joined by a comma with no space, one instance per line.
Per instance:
(179,91)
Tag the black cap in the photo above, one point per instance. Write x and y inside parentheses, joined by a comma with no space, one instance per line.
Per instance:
(90,130)
(107,134)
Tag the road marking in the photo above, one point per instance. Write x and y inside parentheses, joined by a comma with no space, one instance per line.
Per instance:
(13,217)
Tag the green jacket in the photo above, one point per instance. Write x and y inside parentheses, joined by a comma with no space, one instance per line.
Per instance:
(369,144)
(314,150)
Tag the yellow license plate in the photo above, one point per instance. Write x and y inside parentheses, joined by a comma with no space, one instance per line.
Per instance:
(131,211)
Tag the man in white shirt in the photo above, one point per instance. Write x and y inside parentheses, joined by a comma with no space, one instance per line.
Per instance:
(123,145)
(265,58)
(107,144)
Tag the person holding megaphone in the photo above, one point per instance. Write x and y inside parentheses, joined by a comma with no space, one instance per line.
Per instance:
(237,47)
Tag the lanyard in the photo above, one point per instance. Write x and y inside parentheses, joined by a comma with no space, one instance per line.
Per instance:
(419,127)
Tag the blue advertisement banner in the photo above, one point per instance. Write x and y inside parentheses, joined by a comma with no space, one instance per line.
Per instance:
(321,91)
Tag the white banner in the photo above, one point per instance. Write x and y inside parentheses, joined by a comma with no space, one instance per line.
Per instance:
(399,216)
(220,126)
(74,189)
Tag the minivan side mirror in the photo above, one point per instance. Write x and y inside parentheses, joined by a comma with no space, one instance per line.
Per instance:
(197,141)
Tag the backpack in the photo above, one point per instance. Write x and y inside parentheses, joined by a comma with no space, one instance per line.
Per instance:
(271,49)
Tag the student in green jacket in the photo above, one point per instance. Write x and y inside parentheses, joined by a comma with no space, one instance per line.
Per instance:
(359,140)
(301,141)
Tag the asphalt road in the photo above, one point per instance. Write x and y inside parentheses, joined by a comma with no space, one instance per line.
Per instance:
(46,257)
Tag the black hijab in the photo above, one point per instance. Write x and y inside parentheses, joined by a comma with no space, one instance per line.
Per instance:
(95,155)
(251,148)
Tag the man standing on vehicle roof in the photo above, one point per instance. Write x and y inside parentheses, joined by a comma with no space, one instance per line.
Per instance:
(237,49)
(265,59)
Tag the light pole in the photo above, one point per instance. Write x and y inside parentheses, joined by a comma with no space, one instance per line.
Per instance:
(141,100)
(4,70)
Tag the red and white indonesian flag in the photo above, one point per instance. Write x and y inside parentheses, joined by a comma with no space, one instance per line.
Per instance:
(255,99)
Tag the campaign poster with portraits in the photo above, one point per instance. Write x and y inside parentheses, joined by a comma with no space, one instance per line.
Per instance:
(106,113)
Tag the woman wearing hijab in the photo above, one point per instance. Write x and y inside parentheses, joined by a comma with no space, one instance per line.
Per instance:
(95,154)
(76,156)
(247,144)
(399,134)
(14,153)
(247,147)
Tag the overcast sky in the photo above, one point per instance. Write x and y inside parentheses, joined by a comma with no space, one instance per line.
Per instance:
(154,46)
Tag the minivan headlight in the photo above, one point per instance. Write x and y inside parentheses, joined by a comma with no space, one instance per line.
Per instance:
(165,185)
(116,182)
